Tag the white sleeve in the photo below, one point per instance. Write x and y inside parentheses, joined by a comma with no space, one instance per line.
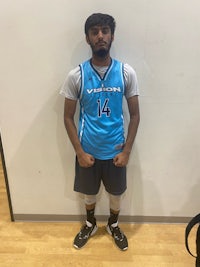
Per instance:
(71,86)
(131,82)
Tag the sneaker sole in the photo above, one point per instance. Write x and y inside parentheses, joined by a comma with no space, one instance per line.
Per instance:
(92,233)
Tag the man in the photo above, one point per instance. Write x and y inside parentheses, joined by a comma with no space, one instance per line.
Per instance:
(102,152)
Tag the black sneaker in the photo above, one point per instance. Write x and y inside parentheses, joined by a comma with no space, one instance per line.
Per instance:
(82,237)
(118,235)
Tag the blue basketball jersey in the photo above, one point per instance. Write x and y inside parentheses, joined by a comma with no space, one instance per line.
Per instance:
(101,123)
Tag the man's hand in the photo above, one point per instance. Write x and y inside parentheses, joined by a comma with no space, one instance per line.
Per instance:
(121,159)
(85,160)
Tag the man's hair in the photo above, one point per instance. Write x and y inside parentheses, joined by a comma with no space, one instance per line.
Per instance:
(99,19)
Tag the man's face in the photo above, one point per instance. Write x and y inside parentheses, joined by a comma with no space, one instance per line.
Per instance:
(100,40)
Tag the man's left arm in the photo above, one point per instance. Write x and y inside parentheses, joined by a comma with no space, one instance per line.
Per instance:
(122,158)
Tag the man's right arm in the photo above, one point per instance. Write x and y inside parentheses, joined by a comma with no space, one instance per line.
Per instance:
(84,159)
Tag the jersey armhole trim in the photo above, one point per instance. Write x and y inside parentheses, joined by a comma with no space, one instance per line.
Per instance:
(81,84)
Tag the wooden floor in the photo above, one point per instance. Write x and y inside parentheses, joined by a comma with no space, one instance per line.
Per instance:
(50,244)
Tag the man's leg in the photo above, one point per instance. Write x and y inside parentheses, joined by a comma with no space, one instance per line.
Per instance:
(112,227)
(90,203)
(90,227)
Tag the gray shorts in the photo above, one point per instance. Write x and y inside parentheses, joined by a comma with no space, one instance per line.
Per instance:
(88,180)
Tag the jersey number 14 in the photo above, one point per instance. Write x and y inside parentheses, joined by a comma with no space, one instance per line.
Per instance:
(103,108)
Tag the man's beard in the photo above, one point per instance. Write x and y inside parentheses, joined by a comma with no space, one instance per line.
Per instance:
(102,52)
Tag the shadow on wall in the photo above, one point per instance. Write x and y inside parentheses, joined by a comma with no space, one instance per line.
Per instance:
(142,196)
(41,171)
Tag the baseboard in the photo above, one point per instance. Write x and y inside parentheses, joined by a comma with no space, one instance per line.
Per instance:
(100,218)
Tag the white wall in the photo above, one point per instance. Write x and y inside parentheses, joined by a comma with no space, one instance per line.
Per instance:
(40,42)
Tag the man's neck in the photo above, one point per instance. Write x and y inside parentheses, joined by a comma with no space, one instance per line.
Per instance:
(99,61)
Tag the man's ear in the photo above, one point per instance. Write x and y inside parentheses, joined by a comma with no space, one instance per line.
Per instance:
(112,37)
(87,39)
